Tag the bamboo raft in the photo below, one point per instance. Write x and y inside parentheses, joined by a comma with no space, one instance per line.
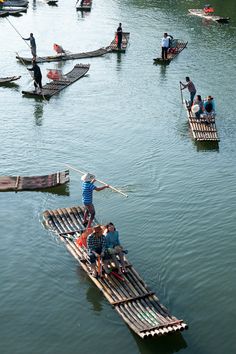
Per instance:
(176,49)
(65,56)
(138,306)
(125,40)
(55,86)
(200,130)
(12,12)
(20,183)
(9,79)
(215,18)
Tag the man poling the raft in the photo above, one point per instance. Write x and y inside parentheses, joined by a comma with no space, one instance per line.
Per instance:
(87,194)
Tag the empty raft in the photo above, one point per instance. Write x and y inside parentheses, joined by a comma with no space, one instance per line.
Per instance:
(201,129)
(177,46)
(20,183)
(129,295)
(9,79)
(125,40)
(66,56)
(55,86)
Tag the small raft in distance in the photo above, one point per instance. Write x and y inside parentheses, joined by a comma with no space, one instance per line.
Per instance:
(9,79)
(124,43)
(20,183)
(200,129)
(201,13)
(138,306)
(55,86)
(176,48)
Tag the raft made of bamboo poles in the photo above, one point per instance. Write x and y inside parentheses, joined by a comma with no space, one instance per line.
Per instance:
(202,130)
(20,183)
(176,48)
(8,79)
(125,40)
(65,56)
(138,306)
(55,86)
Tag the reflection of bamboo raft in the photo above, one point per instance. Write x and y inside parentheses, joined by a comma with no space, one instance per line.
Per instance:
(200,130)
(136,304)
(18,183)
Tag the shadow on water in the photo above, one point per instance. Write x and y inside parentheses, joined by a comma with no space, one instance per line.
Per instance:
(38,113)
(119,61)
(163,345)
(11,85)
(203,146)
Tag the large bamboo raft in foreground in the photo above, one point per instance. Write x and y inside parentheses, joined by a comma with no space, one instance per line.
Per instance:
(55,86)
(201,130)
(65,56)
(20,183)
(132,299)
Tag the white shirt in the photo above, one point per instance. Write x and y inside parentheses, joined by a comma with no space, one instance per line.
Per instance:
(165,42)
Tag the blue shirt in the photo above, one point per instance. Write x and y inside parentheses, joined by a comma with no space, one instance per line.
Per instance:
(112,239)
(87,192)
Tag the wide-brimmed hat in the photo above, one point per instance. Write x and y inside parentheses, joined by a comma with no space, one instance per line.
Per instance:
(98,229)
(87,177)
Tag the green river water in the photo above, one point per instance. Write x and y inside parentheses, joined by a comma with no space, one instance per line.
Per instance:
(125,123)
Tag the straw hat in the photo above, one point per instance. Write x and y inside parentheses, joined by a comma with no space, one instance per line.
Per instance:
(87,177)
(97,229)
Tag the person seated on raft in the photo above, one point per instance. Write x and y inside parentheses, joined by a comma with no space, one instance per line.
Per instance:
(96,244)
(114,248)
(209,108)
(208,10)
(198,106)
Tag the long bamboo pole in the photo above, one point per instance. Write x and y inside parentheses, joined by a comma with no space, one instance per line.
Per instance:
(181,93)
(111,187)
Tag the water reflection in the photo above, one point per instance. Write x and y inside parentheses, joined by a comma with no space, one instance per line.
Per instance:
(95,298)
(38,113)
(119,61)
(207,146)
(163,345)
(163,69)
(83,14)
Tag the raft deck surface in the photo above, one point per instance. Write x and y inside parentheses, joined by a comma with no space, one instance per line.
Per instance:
(201,13)
(20,183)
(132,299)
(179,46)
(202,131)
(55,86)
(62,57)
(124,43)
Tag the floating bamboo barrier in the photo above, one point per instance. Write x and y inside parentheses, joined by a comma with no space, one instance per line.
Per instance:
(139,307)
(20,183)
(55,86)
(201,130)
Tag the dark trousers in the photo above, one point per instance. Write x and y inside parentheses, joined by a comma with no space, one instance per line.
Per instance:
(164,52)
(119,41)
(38,82)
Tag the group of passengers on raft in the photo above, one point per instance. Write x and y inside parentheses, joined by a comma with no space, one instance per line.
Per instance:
(102,242)
(200,108)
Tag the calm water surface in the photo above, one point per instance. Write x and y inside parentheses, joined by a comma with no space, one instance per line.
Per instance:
(124,122)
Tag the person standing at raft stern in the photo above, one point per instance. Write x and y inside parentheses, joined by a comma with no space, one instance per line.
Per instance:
(119,34)
(191,88)
(32,44)
(87,197)
(37,76)
(165,43)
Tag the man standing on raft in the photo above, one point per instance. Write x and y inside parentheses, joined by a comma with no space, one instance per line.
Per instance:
(87,197)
